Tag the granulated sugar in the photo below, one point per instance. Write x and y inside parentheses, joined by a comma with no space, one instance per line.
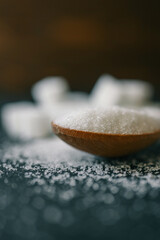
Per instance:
(112,120)
(53,154)
(51,191)
(48,152)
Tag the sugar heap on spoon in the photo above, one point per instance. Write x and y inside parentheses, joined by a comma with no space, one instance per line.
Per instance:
(114,131)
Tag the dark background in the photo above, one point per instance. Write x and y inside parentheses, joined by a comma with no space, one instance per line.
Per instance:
(79,40)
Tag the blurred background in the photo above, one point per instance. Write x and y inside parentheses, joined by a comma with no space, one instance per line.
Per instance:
(80,40)
(77,39)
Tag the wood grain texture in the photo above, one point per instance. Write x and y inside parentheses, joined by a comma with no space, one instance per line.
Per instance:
(107,145)
(77,39)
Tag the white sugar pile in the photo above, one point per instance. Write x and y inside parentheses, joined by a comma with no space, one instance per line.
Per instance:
(112,120)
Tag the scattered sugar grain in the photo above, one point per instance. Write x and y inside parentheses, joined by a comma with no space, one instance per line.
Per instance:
(53,176)
(65,164)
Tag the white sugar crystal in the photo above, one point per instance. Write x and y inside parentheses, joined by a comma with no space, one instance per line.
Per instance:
(78,97)
(25,120)
(136,92)
(112,120)
(153,110)
(49,90)
(107,91)
(111,91)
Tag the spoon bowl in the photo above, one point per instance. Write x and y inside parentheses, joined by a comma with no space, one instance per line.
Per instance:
(103,144)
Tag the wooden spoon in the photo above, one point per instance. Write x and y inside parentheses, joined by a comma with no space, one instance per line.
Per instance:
(103,144)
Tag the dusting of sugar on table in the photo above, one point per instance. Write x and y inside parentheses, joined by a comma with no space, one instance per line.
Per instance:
(52,191)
